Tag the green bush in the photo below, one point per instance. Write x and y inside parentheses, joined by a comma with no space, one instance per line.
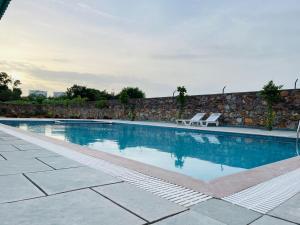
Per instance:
(271,94)
(102,104)
(124,98)
(77,101)
(132,92)
(19,102)
(89,93)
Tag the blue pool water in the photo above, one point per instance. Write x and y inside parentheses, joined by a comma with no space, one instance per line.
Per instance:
(201,155)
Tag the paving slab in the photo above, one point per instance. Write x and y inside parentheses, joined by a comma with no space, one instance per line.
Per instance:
(2,133)
(57,181)
(17,187)
(226,212)
(72,208)
(59,162)
(26,146)
(8,138)
(290,210)
(14,142)
(142,203)
(268,220)
(9,167)
(19,155)
(7,148)
(189,218)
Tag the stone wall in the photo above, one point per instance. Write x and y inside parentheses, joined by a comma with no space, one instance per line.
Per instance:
(239,109)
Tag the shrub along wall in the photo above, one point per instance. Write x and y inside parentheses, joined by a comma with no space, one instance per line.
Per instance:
(239,109)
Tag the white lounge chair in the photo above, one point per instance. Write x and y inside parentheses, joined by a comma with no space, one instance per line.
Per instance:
(195,120)
(212,119)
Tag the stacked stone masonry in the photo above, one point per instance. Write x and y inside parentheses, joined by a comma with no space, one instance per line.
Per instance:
(238,109)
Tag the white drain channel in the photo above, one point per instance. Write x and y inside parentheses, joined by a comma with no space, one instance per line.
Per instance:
(174,193)
(266,196)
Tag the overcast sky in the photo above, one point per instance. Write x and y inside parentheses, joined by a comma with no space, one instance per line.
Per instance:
(156,45)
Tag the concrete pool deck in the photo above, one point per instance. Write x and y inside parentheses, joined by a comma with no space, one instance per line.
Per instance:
(220,187)
(41,187)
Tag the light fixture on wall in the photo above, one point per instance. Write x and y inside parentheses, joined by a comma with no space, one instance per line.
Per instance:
(223,91)
(296,83)
(174,92)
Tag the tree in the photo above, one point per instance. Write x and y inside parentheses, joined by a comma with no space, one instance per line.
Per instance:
(130,93)
(16,93)
(181,99)
(9,88)
(271,94)
(124,98)
(37,98)
(75,91)
(89,93)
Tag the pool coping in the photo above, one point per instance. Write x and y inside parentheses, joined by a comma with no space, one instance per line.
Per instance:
(221,129)
(220,187)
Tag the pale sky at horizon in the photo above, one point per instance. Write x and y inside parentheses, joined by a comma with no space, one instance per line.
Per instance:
(156,45)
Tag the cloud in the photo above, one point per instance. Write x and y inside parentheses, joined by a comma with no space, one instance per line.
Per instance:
(98,12)
(202,44)
(61,60)
(186,56)
(59,80)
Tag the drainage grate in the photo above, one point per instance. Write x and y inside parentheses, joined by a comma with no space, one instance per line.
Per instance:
(177,194)
(174,193)
(266,196)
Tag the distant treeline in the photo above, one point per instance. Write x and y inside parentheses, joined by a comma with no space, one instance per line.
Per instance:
(10,92)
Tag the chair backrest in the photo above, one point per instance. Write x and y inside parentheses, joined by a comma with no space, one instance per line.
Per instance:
(214,117)
(198,117)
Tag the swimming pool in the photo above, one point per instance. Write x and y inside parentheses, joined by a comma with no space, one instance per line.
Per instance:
(198,154)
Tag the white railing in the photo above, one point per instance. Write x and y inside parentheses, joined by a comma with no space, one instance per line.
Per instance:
(297,140)
(298,131)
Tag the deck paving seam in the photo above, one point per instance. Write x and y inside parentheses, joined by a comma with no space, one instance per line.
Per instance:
(45,163)
(39,171)
(37,186)
(123,207)
(17,147)
(25,199)
(84,188)
(255,220)
(64,192)
(53,169)
(3,157)
(166,217)
(289,221)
